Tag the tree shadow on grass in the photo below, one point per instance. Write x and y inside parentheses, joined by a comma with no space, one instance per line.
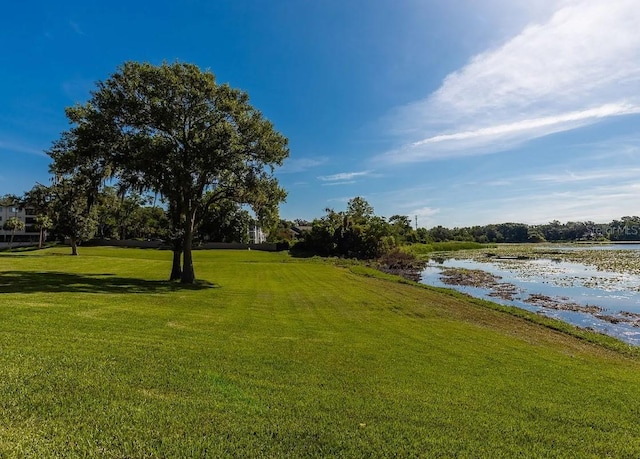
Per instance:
(59,282)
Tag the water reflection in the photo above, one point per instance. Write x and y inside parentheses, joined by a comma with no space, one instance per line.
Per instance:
(568,282)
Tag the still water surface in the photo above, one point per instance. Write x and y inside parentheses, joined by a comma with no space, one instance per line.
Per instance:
(574,282)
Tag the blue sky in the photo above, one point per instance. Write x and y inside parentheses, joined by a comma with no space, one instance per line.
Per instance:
(459,112)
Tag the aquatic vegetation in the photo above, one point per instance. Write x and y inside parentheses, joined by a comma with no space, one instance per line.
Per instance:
(587,285)
(469,277)
(561,304)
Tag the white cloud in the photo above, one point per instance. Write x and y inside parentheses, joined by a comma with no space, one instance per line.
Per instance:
(341,200)
(343,176)
(599,194)
(424,215)
(597,203)
(577,68)
(603,175)
(348,182)
(295,165)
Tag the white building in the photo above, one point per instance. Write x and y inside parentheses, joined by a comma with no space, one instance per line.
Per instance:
(28,234)
(256,236)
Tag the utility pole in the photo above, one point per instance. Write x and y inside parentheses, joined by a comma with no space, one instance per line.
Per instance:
(416,223)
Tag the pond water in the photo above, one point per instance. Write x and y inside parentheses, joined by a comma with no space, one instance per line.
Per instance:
(565,283)
(618,246)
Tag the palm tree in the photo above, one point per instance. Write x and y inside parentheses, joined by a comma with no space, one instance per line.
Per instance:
(13,224)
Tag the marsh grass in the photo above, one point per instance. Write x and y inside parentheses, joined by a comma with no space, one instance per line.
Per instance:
(275,357)
(448,246)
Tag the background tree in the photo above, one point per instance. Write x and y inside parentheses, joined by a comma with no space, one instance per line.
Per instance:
(535,235)
(73,213)
(320,239)
(359,210)
(354,233)
(129,215)
(154,223)
(173,130)
(14,203)
(43,224)
(107,208)
(10,200)
(224,221)
(440,233)
(39,199)
(402,229)
(282,233)
(13,224)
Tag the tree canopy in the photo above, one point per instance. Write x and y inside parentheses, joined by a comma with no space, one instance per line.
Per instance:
(173,130)
(73,213)
(39,198)
(355,233)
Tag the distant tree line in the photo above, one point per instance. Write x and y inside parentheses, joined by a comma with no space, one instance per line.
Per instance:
(625,229)
(118,214)
(356,232)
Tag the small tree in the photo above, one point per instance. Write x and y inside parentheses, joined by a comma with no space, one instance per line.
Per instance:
(43,223)
(402,230)
(13,224)
(10,200)
(74,216)
(359,210)
(39,198)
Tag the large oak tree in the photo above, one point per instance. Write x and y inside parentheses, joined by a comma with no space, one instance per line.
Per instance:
(173,130)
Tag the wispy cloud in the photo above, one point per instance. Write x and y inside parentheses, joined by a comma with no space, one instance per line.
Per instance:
(76,28)
(596,203)
(18,147)
(424,215)
(603,175)
(576,69)
(343,176)
(347,182)
(615,148)
(295,165)
(583,192)
(498,183)
(342,199)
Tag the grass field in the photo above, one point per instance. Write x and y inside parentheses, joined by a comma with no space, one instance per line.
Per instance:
(272,356)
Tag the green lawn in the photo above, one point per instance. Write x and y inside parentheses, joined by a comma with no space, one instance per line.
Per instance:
(276,357)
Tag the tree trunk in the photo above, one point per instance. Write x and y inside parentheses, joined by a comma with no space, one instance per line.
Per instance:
(176,269)
(11,240)
(74,246)
(188,274)
(41,238)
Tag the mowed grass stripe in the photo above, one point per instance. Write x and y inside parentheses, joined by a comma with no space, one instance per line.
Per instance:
(273,357)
